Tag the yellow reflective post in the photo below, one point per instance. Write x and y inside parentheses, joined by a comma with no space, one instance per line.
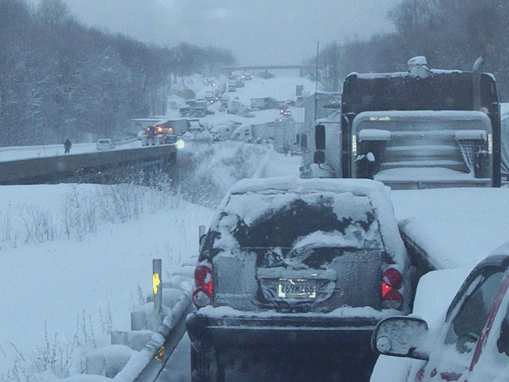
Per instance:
(160,354)
(156,285)
(156,281)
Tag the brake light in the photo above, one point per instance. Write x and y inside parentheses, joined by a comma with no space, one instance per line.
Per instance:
(391,298)
(203,280)
(392,278)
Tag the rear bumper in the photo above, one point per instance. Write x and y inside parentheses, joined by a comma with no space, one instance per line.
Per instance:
(290,330)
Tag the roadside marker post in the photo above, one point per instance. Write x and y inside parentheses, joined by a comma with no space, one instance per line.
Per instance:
(157,286)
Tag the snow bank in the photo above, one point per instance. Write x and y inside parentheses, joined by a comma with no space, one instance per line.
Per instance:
(68,294)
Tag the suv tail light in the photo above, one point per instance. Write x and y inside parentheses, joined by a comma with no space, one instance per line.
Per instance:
(203,280)
(391,281)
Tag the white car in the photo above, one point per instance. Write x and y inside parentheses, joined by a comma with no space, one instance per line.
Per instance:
(105,144)
(470,343)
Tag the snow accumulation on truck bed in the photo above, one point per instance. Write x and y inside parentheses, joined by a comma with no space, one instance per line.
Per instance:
(457,227)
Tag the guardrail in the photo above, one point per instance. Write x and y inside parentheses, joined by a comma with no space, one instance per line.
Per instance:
(156,330)
(35,170)
(146,365)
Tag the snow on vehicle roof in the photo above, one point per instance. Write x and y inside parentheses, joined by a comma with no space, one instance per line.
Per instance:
(502,249)
(456,227)
(407,74)
(401,74)
(334,117)
(377,193)
(356,186)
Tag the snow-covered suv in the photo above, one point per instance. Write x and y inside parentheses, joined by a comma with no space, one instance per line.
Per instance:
(297,269)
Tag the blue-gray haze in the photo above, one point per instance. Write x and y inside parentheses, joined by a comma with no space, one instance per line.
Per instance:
(256,31)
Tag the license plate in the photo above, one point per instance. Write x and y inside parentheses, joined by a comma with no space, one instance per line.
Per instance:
(297,288)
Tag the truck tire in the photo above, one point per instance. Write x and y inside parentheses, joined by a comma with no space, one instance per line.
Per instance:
(200,364)
(204,365)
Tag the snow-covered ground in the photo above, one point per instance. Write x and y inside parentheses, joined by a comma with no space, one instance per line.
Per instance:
(63,294)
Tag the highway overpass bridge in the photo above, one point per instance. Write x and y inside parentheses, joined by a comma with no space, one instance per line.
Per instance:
(302,68)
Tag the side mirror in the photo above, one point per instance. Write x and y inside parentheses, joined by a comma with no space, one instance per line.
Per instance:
(320,137)
(401,337)
(319,157)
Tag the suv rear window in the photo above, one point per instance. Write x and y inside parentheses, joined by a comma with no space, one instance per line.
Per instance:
(291,219)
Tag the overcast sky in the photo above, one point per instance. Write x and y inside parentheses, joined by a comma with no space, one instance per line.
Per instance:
(256,31)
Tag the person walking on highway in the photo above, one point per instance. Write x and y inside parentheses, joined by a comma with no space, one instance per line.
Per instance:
(67,145)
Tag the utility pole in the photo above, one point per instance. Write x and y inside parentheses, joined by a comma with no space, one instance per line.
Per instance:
(316,77)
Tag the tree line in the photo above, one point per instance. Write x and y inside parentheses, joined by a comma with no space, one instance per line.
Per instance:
(60,78)
(451,34)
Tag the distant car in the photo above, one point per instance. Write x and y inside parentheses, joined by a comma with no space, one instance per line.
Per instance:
(295,149)
(185,111)
(105,144)
(472,341)
(294,267)
(285,112)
